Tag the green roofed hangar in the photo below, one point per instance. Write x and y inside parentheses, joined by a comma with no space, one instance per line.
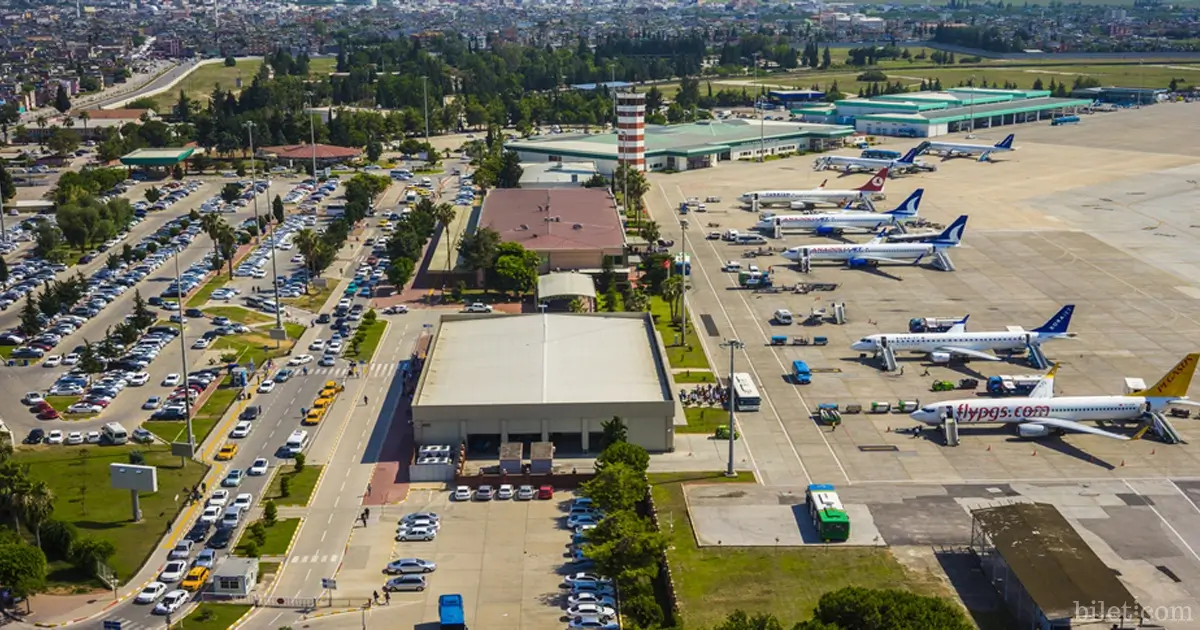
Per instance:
(157,158)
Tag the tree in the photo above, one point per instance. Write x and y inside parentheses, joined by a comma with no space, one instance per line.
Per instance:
(515,269)
(89,360)
(650,232)
(62,102)
(230,61)
(374,151)
(400,271)
(826,59)
(153,194)
(37,507)
(141,317)
(31,321)
(445,213)
(672,294)
(22,569)
(309,245)
(88,553)
(57,538)
(616,487)
(509,175)
(626,547)
(479,250)
(231,192)
(614,431)
(3,272)
(177,172)
(277,209)
(854,607)
(625,454)
(299,463)
(8,189)
(285,486)
(62,141)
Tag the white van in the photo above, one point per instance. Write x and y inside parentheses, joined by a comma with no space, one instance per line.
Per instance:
(730,235)
(296,442)
(231,518)
(114,433)
(784,317)
(411,197)
(750,239)
(426,182)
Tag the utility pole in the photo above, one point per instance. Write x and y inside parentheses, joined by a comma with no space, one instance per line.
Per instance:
(758,105)
(187,399)
(275,273)
(312,142)
(687,274)
(425,91)
(972,129)
(734,345)
(249,125)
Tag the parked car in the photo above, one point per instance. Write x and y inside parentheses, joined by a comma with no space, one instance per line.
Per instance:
(410,565)
(406,583)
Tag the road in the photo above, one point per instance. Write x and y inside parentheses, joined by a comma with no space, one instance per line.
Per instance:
(338,443)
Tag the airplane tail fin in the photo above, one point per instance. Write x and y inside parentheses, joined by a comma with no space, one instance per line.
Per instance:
(911,156)
(1059,323)
(880,237)
(910,206)
(1176,382)
(1006,143)
(875,184)
(953,234)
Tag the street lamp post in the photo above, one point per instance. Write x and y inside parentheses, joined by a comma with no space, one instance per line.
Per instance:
(275,275)
(734,345)
(425,91)
(187,399)
(249,125)
(312,139)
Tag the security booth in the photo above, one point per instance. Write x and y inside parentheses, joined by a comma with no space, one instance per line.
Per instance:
(235,577)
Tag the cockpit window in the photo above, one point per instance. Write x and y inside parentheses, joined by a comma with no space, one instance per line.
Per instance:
(927,409)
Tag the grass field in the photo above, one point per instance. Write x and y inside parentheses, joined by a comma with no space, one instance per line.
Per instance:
(704,420)
(787,582)
(212,616)
(691,356)
(176,430)
(300,487)
(257,345)
(322,65)
(694,377)
(200,298)
(279,538)
(313,301)
(78,476)
(218,403)
(198,85)
(371,342)
(239,314)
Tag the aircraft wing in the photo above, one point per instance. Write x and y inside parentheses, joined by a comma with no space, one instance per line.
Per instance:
(1071,425)
(885,259)
(974,354)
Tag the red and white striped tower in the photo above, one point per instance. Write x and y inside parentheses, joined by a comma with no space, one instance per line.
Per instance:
(631,129)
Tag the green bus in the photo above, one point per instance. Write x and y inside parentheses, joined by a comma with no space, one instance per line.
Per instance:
(828,515)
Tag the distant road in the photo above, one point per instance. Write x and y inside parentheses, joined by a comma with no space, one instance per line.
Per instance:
(157,84)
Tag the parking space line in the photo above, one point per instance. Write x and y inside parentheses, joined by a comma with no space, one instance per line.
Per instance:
(1165,521)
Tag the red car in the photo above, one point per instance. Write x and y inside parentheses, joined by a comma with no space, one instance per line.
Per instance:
(545,492)
(48,414)
(41,406)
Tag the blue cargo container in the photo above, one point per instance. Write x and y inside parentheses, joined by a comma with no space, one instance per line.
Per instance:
(450,612)
(1064,120)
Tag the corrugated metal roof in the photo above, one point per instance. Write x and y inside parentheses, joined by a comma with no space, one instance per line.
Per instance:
(1001,109)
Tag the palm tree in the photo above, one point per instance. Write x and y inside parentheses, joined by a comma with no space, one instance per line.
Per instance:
(309,245)
(445,213)
(672,291)
(14,491)
(211,224)
(68,121)
(38,506)
(227,244)
(85,117)
(41,121)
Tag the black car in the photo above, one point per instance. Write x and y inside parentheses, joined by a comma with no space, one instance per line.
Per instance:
(220,540)
(194,312)
(323,318)
(198,532)
(35,436)
(28,353)
(250,413)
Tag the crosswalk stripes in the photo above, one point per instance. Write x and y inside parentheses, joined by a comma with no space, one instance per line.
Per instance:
(315,559)
(129,624)
(375,369)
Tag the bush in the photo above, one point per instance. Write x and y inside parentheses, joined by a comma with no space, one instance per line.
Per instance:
(258,532)
(137,458)
(86,553)
(299,465)
(644,610)
(270,513)
(872,76)
(57,539)
(250,548)
(285,486)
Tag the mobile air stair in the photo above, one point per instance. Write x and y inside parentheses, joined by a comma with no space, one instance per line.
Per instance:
(1037,358)
(888,356)
(1162,428)
(950,428)
(942,261)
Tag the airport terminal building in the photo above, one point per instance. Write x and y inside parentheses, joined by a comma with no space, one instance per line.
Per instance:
(703,144)
(491,379)
(932,114)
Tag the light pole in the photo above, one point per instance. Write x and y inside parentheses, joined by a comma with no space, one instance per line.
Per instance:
(734,345)
(762,145)
(425,91)
(187,398)
(312,139)
(249,125)
(274,274)
(972,104)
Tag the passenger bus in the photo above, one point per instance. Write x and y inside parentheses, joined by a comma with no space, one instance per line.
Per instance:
(827,512)
(745,394)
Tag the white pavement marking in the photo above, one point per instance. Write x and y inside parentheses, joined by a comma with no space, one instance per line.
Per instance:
(1165,521)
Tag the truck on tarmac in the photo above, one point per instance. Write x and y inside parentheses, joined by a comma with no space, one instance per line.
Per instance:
(1005,385)
(450,613)
(932,324)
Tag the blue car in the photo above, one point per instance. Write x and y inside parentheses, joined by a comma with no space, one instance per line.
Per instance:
(232,479)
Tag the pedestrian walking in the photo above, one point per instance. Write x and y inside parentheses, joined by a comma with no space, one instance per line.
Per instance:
(368,489)
(375,595)
(387,598)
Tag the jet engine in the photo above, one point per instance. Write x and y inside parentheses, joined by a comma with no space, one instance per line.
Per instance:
(825,230)
(1028,430)
(940,357)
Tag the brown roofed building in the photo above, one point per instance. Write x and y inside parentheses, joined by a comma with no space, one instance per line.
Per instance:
(326,153)
(571,229)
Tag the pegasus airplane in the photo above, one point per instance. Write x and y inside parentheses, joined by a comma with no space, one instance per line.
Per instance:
(1041,413)
(808,198)
(825,224)
(851,163)
(941,346)
(876,251)
(984,151)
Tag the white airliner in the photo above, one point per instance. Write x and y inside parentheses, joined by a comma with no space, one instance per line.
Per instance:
(808,198)
(834,222)
(1040,413)
(954,149)
(941,346)
(876,251)
(850,163)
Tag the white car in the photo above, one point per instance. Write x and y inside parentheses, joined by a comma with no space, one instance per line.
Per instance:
(70,359)
(586,577)
(266,387)
(300,359)
(334,347)
(74,437)
(418,523)
(327,360)
(317,345)
(152,403)
(211,514)
(243,501)
(219,497)
(591,610)
(462,493)
(171,602)
(241,430)
(591,598)
(53,360)
(92,437)
(152,592)
(55,436)
(200,344)
(83,408)
(174,571)
(171,380)
(505,491)
(259,467)
(525,493)
(416,533)
(139,379)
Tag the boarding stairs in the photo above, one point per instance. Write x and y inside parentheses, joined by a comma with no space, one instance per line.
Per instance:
(805,263)
(1037,358)
(1162,428)
(950,428)
(839,313)
(889,359)
(942,261)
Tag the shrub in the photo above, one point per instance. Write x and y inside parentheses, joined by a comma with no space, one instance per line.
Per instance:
(299,465)
(57,539)
(137,458)
(250,548)
(644,610)
(270,513)
(285,486)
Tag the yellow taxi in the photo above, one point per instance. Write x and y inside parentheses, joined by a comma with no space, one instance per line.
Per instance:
(195,578)
(330,390)
(227,452)
(322,402)
(314,415)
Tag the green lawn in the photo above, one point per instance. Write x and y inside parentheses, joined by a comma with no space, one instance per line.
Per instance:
(176,430)
(279,538)
(217,404)
(198,85)
(314,300)
(322,65)
(300,487)
(79,477)
(374,335)
(787,582)
(239,314)
(694,377)
(201,297)
(6,351)
(60,403)
(212,616)
(691,356)
(704,420)
(257,344)
(268,568)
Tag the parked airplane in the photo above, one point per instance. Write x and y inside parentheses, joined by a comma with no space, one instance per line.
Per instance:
(954,149)
(850,163)
(835,222)
(970,345)
(876,251)
(808,198)
(1040,413)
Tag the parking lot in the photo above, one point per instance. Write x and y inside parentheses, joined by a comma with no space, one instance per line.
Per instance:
(505,558)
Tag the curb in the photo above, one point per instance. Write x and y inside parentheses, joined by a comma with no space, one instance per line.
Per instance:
(331,613)
(292,542)
(242,619)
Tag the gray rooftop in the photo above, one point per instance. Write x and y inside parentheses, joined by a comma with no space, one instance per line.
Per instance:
(543,358)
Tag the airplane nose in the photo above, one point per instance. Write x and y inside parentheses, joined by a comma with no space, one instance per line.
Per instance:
(860,345)
(924,417)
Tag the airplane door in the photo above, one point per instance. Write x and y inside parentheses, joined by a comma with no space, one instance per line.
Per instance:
(883,342)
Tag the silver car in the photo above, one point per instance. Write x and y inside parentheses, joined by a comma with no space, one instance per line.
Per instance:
(409,565)
(405,583)
(416,533)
